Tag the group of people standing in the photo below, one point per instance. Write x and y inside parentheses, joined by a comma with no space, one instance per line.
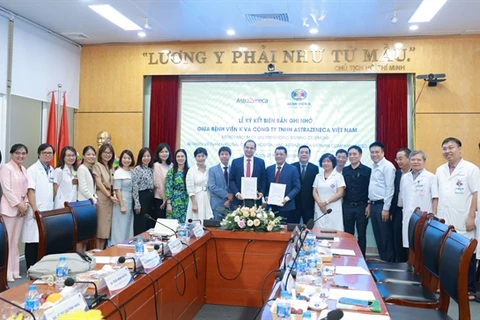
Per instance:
(157,184)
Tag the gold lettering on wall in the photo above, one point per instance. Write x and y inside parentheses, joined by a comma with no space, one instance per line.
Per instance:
(350,59)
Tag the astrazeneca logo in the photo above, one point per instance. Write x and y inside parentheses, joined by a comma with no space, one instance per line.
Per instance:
(251,100)
(299,94)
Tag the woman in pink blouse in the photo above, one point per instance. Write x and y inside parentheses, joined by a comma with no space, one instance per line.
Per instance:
(14,204)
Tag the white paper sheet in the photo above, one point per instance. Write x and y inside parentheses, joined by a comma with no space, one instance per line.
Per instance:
(352,294)
(343,252)
(249,188)
(351,270)
(276,193)
(102,259)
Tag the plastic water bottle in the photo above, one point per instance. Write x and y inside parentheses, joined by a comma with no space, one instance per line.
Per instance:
(183,232)
(283,306)
(32,299)
(307,315)
(61,273)
(139,248)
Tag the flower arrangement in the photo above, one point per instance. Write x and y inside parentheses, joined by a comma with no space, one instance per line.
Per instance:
(251,219)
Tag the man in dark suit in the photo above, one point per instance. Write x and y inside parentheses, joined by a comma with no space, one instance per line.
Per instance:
(286,174)
(304,203)
(218,178)
(396,210)
(247,166)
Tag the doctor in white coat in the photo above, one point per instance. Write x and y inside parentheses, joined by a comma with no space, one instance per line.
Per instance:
(457,196)
(418,188)
(40,197)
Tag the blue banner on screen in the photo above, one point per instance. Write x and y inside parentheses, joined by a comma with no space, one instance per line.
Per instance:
(325,115)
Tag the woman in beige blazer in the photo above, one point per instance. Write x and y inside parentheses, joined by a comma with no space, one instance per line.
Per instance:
(14,204)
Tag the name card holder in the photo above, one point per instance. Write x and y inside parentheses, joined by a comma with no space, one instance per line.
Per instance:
(150,260)
(175,246)
(72,303)
(198,231)
(118,280)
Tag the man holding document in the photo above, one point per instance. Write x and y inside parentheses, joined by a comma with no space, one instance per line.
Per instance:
(247,177)
(283,184)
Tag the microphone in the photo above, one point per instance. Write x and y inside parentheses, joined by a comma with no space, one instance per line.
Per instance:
(336,314)
(91,301)
(196,220)
(311,222)
(123,259)
(280,274)
(156,221)
(20,308)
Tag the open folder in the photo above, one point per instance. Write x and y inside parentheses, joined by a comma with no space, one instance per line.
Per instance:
(161,227)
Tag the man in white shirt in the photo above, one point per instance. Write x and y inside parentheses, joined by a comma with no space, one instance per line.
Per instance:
(457,196)
(380,194)
(418,188)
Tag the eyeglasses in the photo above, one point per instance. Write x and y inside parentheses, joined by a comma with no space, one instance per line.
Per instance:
(70,156)
(46,153)
(20,153)
(107,152)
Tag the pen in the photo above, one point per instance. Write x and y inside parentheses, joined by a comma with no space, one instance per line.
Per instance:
(131,241)
(343,287)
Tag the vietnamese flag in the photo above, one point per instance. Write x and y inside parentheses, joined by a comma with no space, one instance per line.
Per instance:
(63,137)
(52,128)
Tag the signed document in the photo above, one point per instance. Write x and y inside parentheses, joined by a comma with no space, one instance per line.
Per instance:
(249,188)
(276,194)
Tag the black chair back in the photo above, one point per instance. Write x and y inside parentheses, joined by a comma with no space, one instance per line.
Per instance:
(432,241)
(85,213)
(57,231)
(3,255)
(454,264)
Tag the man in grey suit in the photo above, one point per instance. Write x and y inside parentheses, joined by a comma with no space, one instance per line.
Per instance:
(218,177)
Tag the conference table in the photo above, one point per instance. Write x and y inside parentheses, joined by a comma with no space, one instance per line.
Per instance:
(221,267)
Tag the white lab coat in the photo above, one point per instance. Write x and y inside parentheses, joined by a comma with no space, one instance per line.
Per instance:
(455,194)
(43,186)
(66,191)
(416,193)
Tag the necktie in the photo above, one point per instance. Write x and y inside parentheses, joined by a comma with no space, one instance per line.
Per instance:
(303,171)
(277,175)
(225,174)
(249,168)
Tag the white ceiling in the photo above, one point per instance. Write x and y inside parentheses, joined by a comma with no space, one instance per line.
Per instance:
(196,20)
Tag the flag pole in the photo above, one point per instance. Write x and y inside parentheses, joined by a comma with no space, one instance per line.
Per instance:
(59,110)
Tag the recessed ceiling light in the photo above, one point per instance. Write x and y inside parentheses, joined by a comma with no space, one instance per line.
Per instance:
(413,27)
(109,13)
(398,45)
(314,47)
(313,30)
(427,10)
(141,34)
(231,32)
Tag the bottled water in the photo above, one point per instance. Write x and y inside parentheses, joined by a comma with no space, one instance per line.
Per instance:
(139,248)
(307,315)
(61,273)
(32,299)
(283,306)
(183,232)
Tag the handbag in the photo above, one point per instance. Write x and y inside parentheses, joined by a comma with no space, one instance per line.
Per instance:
(77,263)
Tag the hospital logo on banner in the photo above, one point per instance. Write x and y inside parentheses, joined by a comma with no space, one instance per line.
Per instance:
(299,94)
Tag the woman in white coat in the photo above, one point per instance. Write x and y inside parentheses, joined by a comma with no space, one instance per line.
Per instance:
(418,188)
(328,190)
(65,180)
(40,197)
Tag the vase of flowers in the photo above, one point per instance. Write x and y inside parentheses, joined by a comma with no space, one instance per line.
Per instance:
(251,219)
